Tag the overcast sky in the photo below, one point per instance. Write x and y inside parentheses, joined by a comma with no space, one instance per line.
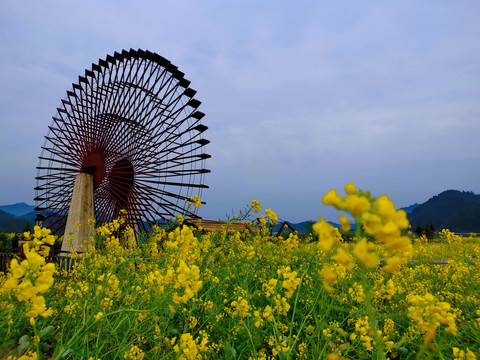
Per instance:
(299,96)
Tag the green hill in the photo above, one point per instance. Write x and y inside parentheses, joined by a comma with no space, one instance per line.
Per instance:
(18,209)
(465,221)
(456,210)
(11,223)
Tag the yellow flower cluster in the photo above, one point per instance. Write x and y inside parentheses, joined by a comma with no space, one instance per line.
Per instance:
(357,293)
(188,279)
(179,219)
(378,218)
(110,228)
(255,206)
(183,243)
(450,237)
(271,215)
(197,202)
(292,242)
(388,333)
(328,235)
(329,276)
(135,353)
(343,258)
(111,283)
(156,281)
(362,327)
(29,356)
(462,355)
(241,307)
(33,276)
(268,313)
(40,241)
(281,305)
(281,348)
(386,291)
(365,254)
(263,222)
(290,282)
(428,314)
(191,348)
(260,316)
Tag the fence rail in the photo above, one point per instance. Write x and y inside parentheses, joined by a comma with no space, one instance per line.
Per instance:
(61,258)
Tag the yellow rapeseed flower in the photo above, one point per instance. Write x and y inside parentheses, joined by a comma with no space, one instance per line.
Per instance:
(343,258)
(344,223)
(364,254)
(135,353)
(332,198)
(329,277)
(357,204)
(328,235)
(255,206)
(350,189)
(271,215)
(392,264)
(38,308)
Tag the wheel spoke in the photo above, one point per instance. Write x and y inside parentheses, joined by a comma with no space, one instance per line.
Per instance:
(134,117)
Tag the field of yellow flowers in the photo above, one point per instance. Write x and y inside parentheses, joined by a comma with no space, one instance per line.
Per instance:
(184,294)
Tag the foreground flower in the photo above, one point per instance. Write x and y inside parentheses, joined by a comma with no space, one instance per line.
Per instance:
(328,235)
(188,279)
(33,276)
(428,314)
(376,217)
(271,215)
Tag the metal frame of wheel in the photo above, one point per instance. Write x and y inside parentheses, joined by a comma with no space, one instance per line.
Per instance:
(131,121)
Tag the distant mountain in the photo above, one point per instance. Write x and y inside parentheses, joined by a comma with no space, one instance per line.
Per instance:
(456,210)
(306,226)
(12,223)
(29,216)
(410,208)
(466,221)
(6,216)
(300,227)
(17,209)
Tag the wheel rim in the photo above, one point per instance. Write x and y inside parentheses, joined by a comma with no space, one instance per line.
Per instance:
(134,119)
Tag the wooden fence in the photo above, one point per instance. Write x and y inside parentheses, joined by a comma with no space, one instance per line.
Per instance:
(60,258)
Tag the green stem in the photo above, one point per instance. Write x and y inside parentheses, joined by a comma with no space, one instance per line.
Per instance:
(254,351)
(37,343)
(371,319)
(84,326)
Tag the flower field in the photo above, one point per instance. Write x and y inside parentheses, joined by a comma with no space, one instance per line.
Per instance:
(185,294)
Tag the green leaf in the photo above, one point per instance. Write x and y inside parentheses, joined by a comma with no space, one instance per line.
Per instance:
(23,343)
(63,352)
(44,347)
(24,340)
(230,350)
(46,332)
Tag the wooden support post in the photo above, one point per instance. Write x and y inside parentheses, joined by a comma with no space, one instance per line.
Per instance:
(39,220)
(77,231)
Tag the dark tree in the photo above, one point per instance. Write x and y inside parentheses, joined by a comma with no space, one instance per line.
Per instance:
(28,226)
(429,231)
(419,230)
